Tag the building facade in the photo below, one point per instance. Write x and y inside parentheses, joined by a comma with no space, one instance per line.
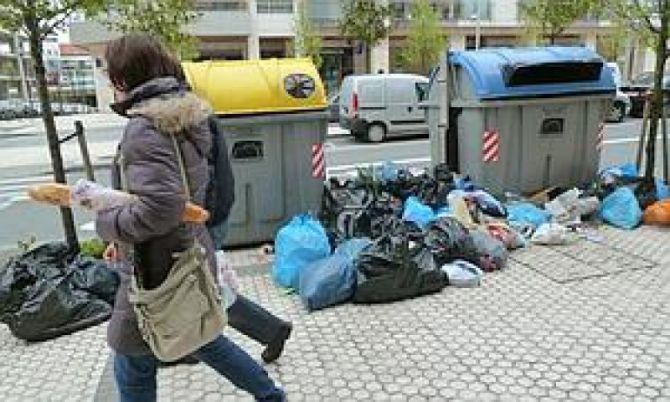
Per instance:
(17,76)
(251,29)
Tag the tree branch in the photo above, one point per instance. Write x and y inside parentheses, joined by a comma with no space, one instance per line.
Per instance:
(65,12)
(645,17)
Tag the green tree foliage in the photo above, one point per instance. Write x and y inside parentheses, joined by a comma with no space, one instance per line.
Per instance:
(37,19)
(307,41)
(649,22)
(425,40)
(552,17)
(164,19)
(365,21)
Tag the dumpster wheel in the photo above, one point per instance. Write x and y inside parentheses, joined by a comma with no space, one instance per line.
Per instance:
(376,133)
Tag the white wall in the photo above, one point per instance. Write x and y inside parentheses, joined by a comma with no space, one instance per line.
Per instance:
(504,11)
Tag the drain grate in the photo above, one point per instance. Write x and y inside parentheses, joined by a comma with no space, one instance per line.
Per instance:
(580,261)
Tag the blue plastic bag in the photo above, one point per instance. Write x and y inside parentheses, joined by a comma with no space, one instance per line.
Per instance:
(352,248)
(621,209)
(297,245)
(331,280)
(488,204)
(389,171)
(626,171)
(417,212)
(443,212)
(662,190)
(525,213)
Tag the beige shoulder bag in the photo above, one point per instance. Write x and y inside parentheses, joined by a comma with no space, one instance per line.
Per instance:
(184,313)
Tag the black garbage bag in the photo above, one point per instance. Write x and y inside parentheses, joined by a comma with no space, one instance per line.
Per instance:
(645,192)
(397,268)
(449,240)
(343,210)
(50,291)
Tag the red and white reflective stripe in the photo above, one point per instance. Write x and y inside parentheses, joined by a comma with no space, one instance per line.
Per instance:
(491,146)
(601,137)
(318,162)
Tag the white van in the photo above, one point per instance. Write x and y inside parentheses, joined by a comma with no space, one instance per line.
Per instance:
(376,107)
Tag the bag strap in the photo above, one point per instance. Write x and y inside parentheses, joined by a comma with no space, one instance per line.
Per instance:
(123,178)
(182,167)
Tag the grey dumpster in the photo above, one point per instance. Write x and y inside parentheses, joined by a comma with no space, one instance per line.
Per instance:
(272,161)
(275,122)
(520,120)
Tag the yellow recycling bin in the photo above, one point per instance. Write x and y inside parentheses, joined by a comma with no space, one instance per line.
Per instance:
(274,117)
(258,86)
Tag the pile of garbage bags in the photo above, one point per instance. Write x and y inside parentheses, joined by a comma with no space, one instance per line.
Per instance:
(391,234)
(51,291)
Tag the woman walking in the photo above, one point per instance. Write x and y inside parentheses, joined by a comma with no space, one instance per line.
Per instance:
(162,160)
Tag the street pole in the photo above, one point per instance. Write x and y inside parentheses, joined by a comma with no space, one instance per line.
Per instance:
(478,26)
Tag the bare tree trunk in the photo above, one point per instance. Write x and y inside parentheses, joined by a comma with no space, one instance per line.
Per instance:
(50,127)
(657,97)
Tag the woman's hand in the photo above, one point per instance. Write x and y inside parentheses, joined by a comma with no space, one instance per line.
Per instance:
(111,254)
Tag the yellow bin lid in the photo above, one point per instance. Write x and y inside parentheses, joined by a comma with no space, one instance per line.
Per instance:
(257,86)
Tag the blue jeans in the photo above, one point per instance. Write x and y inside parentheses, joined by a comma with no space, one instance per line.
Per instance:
(136,375)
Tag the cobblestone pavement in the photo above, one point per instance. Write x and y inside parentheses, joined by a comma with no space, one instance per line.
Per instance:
(536,331)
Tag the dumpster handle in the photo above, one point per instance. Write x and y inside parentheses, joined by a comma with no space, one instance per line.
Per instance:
(248,150)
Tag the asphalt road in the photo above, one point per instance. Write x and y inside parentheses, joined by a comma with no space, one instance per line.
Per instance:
(24,161)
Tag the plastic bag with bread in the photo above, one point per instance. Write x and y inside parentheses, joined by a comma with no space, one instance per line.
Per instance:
(96,197)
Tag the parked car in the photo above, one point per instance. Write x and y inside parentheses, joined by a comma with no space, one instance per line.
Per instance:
(621,105)
(15,109)
(639,86)
(377,107)
(334,108)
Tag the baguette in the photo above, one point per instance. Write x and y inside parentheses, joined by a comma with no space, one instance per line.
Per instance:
(60,195)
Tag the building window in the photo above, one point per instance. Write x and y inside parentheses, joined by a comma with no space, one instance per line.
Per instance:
(470,9)
(221,5)
(274,6)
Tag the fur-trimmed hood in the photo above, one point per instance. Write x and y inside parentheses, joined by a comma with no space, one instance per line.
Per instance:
(165,101)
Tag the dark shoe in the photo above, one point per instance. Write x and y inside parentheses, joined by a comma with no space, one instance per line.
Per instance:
(188,360)
(275,348)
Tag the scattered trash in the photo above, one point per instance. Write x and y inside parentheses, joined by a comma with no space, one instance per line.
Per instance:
(662,190)
(509,237)
(463,274)
(332,280)
(297,245)
(449,240)
(460,211)
(50,291)
(658,214)
(492,252)
(396,268)
(526,213)
(551,234)
(417,212)
(432,226)
(621,209)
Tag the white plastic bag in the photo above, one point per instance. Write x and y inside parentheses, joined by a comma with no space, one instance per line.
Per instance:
(96,197)
(463,274)
(564,208)
(227,280)
(551,234)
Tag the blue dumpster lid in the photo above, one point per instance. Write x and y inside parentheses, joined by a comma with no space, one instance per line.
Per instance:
(534,72)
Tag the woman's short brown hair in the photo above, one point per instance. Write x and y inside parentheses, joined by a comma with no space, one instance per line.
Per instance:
(135,59)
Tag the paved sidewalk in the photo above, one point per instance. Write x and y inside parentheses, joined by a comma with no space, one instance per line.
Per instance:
(583,322)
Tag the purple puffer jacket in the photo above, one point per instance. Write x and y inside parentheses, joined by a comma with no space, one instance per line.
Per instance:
(151,226)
